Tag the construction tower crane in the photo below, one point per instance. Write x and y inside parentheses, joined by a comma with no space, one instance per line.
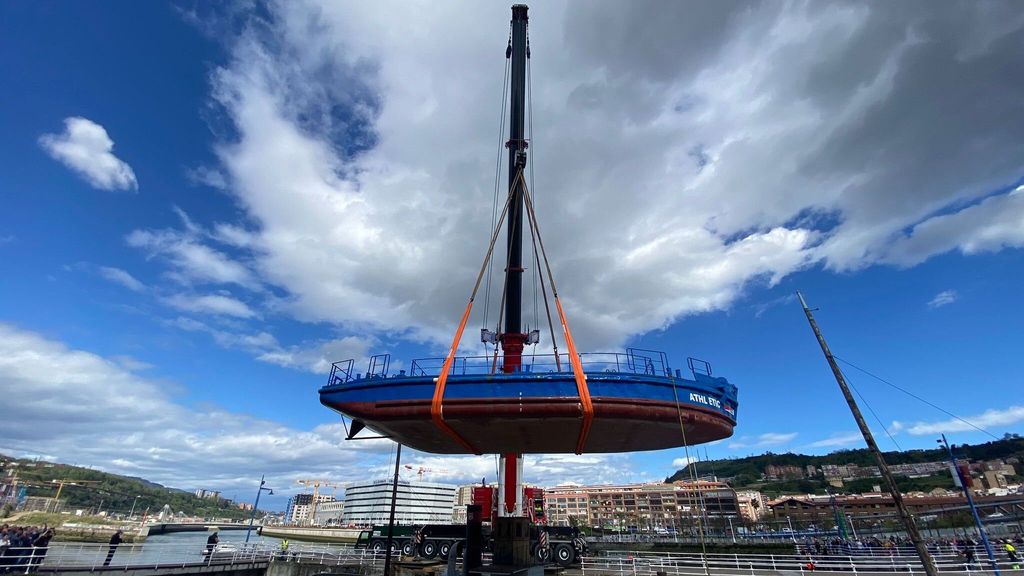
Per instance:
(317,485)
(70,482)
(420,470)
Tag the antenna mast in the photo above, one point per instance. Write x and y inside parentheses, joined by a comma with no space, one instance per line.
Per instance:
(513,338)
(890,481)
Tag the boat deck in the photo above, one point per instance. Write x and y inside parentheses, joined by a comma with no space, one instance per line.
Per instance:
(639,403)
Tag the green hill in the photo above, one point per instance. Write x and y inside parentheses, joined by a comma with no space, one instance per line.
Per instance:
(113,493)
(749,471)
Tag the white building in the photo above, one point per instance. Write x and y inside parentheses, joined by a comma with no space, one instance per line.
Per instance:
(417,503)
(463,497)
(329,514)
(302,507)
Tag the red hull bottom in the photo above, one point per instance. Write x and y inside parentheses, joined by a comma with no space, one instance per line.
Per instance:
(497,426)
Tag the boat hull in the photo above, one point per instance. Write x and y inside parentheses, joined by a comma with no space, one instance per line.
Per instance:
(541,414)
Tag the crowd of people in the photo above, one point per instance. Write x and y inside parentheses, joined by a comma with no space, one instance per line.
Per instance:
(22,548)
(966,548)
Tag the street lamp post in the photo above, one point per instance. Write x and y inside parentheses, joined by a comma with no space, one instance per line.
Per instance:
(970,503)
(256,505)
(134,502)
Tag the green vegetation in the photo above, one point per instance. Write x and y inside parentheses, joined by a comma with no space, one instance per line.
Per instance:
(748,472)
(114,494)
(50,519)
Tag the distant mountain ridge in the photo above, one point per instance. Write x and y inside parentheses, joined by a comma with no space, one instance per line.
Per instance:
(748,471)
(112,493)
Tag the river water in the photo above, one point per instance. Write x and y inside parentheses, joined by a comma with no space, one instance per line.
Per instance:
(183,547)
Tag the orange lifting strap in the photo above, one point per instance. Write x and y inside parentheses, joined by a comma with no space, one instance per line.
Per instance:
(436,413)
(581,380)
(436,404)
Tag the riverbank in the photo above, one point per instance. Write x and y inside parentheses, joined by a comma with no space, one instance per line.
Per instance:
(781,548)
(70,528)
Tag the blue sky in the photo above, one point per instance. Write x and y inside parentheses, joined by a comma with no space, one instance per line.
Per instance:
(204,207)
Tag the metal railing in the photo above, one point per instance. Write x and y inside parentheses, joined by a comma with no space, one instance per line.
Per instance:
(643,563)
(632,361)
(169,555)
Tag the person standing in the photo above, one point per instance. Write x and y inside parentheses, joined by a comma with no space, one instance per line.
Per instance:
(39,548)
(211,545)
(969,558)
(115,541)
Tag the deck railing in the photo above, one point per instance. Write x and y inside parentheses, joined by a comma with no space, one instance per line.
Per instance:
(633,361)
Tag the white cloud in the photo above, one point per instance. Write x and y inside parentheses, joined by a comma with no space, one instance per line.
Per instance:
(317,357)
(312,356)
(994,420)
(943,298)
(190,258)
(687,167)
(837,440)
(130,363)
(680,463)
(85,148)
(85,408)
(995,223)
(763,440)
(206,176)
(119,276)
(212,304)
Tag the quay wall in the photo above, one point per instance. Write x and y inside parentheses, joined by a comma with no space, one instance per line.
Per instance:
(308,534)
(97,533)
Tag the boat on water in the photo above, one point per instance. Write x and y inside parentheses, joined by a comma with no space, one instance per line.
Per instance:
(522,403)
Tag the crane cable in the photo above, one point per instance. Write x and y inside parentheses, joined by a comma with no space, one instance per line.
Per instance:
(533,156)
(916,397)
(436,405)
(547,307)
(497,170)
(582,389)
(693,477)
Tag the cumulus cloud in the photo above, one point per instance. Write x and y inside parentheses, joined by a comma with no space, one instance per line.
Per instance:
(765,440)
(85,148)
(943,298)
(99,410)
(672,171)
(122,277)
(680,463)
(994,420)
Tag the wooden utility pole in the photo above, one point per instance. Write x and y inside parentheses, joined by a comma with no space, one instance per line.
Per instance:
(890,482)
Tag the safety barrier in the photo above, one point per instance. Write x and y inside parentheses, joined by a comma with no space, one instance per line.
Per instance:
(168,555)
(643,563)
